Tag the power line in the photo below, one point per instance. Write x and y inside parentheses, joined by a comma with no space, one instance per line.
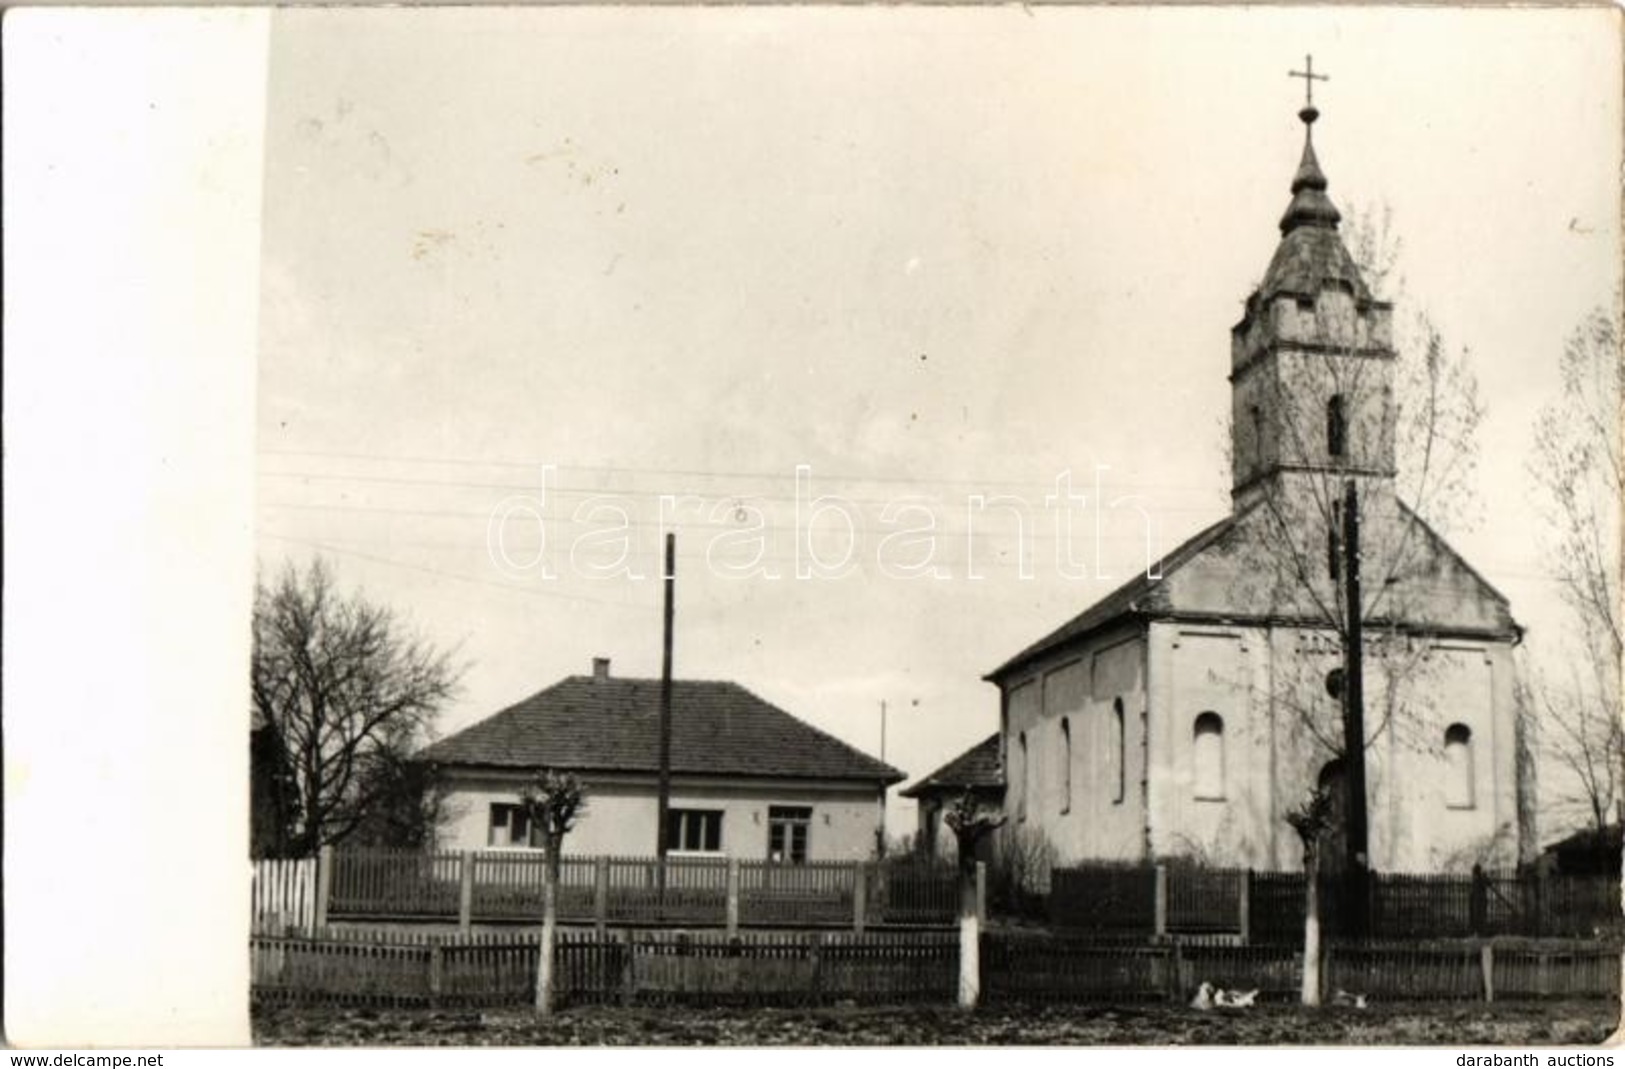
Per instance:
(588,491)
(994,512)
(329,548)
(695,472)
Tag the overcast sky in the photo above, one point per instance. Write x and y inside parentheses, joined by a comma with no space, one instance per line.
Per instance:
(927,253)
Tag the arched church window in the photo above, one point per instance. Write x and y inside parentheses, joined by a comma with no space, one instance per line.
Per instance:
(1207,754)
(1026,776)
(1333,840)
(1256,416)
(1336,427)
(1066,765)
(1115,750)
(1458,759)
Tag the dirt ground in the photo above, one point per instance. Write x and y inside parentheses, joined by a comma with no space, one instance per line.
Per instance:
(1502,1024)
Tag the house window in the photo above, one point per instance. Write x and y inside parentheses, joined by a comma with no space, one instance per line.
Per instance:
(1066,765)
(1116,751)
(1336,427)
(511,826)
(1458,759)
(1021,791)
(787,833)
(1207,753)
(694,830)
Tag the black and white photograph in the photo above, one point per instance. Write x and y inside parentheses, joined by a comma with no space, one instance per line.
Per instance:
(805,526)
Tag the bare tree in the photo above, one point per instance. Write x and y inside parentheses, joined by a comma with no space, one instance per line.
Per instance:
(1576,464)
(1422,408)
(349,695)
(1337,414)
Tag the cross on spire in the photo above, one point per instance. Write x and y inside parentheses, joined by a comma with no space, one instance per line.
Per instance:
(1309,79)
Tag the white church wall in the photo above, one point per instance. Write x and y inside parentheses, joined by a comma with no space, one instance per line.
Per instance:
(1075,769)
(1451,798)
(1281,727)
(1211,790)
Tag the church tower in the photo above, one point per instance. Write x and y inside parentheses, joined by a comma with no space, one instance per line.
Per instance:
(1187,714)
(1311,363)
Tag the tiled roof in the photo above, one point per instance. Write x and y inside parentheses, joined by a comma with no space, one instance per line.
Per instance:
(977,767)
(613,725)
(1138,595)
(1308,260)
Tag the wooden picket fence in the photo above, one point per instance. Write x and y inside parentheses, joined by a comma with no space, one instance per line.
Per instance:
(1137,901)
(759,968)
(506,886)
(401,969)
(395,968)
(283,895)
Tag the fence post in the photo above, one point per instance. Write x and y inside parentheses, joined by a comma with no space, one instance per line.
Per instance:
(816,953)
(1245,905)
(629,982)
(437,972)
(1486,962)
(600,894)
(1159,897)
(860,895)
(465,893)
(1176,970)
(733,896)
(981,892)
(1478,900)
(324,886)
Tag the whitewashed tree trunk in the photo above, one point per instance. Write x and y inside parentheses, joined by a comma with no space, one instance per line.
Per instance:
(970,938)
(546,952)
(1311,928)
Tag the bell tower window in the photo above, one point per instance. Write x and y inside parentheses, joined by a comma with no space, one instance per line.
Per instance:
(1336,428)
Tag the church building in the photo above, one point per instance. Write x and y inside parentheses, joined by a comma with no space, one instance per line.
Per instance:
(1186,715)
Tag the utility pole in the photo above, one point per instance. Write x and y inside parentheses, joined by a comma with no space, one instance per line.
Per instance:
(663,809)
(1357,907)
(880,847)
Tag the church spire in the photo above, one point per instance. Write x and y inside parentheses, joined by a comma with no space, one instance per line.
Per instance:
(1310,205)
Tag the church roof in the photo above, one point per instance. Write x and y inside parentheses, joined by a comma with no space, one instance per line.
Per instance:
(1141,598)
(1136,596)
(1311,256)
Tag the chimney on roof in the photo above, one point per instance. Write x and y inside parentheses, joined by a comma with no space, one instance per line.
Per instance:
(600,669)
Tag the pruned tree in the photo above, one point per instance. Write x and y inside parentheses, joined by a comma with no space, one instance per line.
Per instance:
(349,694)
(554,801)
(971,820)
(1576,465)
(1312,820)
